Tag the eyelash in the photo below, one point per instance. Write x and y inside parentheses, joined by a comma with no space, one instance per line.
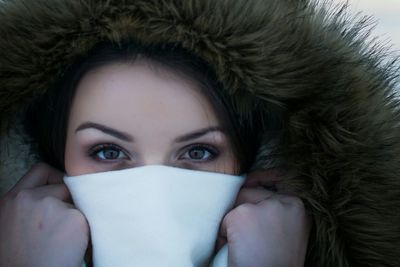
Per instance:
(209,148)
(93,151)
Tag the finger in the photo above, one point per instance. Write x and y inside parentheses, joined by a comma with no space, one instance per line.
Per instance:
(263,178)
(59,191)
(253,195)
(40,174)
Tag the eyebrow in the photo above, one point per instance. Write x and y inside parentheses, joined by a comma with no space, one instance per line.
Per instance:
(105,129)
(197,134)
(127,137)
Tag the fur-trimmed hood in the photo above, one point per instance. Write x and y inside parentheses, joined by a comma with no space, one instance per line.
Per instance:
(341,138)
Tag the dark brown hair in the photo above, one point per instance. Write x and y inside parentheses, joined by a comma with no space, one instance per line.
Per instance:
(47,116)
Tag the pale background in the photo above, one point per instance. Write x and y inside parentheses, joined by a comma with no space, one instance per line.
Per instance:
(387,14)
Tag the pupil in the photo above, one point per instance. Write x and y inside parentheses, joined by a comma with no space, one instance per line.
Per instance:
(110,154)
(197,154)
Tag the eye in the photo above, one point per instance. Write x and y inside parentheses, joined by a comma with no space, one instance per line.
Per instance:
(107,152)
(200,153)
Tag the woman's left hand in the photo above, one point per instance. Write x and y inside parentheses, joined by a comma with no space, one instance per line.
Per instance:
(265,229)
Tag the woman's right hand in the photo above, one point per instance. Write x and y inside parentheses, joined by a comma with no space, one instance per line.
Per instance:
(38,224)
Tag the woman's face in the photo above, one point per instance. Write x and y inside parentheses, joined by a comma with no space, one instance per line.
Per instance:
(128,115)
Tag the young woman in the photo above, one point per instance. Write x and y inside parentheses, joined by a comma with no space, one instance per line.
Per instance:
(250,87)
(133,105)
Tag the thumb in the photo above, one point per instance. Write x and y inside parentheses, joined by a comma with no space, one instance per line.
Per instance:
(39,175)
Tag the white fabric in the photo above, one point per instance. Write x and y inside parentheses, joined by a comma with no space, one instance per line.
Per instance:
(154,215)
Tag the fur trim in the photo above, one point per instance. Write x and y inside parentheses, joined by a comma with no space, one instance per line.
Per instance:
(341,141)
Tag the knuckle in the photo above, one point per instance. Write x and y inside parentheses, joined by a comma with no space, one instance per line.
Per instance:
(241,212)
(37,166)
(24,196)
(48,201)
(298,203)
(22,201)
(78,219)
(76,215)
(293,201)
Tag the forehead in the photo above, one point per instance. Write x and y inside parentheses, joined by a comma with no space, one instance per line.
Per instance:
(137,96)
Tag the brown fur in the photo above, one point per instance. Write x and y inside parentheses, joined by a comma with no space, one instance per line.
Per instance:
(341,141)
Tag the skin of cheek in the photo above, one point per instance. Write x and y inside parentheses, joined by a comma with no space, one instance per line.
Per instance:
(154,108)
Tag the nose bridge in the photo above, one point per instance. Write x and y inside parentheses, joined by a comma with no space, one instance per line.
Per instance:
(155,156)
(154,161)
